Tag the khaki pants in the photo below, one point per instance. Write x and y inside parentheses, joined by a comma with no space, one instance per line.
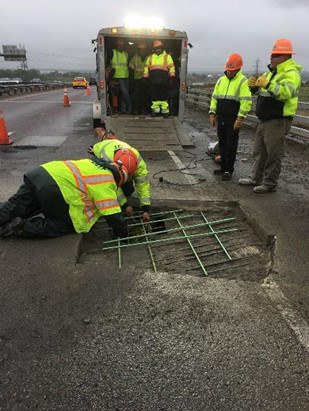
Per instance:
(269,150)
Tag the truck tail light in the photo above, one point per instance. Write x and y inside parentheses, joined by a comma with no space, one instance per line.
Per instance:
(102,84)
(183,86)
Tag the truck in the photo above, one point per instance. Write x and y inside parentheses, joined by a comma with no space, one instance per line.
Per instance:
(143,131)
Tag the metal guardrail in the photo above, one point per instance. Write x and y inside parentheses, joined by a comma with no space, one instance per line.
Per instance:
(11,90)
(201,99)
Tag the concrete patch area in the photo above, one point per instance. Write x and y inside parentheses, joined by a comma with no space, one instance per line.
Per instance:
(198,238)
(41,141)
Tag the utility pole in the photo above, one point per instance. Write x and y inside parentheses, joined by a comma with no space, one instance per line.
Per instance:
(257,61)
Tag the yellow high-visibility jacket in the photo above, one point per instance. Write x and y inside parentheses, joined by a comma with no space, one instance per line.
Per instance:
(88,190)
(119,62)
(107,148)
(137,65)
(280,99)
(231,98)
(162,63)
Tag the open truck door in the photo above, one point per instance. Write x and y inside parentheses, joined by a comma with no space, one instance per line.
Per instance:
(143,131)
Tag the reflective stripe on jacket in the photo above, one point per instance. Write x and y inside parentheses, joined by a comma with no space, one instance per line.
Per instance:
(88,190)
(281,97)
(120,63)
(107,148)
(163,62)
(231,98)
(137,65)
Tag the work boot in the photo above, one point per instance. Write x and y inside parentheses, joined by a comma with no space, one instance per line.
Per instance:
(226,176)
(263,189)
(218,172)
(247,182)
(13,227)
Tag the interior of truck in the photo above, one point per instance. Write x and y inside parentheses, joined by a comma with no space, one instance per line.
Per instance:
(172,46)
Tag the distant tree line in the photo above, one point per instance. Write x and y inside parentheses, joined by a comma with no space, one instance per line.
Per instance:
(27,75)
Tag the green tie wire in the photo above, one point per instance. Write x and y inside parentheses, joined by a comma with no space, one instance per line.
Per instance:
(217,238)
(188,227)
(164,240)
(191,245)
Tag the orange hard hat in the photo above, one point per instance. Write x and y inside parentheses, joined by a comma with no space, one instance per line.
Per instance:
(234,62)
(128,158)
(157,43)
(142,45)
(282,46)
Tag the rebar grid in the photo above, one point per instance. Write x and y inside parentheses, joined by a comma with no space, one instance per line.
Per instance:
(148,239)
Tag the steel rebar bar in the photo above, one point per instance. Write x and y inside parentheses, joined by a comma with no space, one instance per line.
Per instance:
(170,239)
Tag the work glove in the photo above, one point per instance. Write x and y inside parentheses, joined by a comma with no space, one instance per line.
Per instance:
(146,217)
(100,132)
(262,82)
(252,82)
(238,123)
(128,211)
(212,119)
(90,150)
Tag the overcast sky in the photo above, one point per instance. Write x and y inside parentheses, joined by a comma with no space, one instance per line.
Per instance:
(57,33)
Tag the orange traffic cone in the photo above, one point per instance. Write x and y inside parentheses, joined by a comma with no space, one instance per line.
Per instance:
(88,90)
(4,137)
(66,101)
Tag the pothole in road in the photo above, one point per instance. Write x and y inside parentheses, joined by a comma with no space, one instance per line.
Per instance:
(215,239)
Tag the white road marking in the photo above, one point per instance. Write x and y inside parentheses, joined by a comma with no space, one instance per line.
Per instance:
(294,320)
(181,166)
(298,325)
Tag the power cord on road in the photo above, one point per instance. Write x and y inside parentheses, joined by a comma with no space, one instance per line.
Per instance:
(193,160)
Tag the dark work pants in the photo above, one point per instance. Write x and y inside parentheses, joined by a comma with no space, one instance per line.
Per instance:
(43,210)
(228,143)
(140,98)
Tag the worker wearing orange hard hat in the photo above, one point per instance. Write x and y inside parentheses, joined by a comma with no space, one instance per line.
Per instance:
(160,70)
(110,148)
(230,103)
(61,197)
(277,92)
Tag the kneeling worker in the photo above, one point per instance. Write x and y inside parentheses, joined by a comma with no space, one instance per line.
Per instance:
(111,149)
(72,195)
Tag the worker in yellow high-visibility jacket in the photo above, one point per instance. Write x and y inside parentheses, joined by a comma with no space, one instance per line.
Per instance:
(159,69)
(230,103)
(61,197)
(111,148)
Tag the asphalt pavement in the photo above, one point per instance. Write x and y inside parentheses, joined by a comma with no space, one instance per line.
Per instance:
(83,336)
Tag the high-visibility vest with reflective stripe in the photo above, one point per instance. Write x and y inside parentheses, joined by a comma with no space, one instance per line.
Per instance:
(106,149)
(162,61)
(231,96)
(88,190)
(120,63)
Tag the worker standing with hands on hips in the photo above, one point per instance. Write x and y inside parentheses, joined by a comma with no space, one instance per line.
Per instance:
(160,70)
(276,105)
(61,197)
(110,148)
(230,103)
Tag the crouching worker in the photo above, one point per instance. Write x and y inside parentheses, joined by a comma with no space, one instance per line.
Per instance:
(110,148)
(61,197)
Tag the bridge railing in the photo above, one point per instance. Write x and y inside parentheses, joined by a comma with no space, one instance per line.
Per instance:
(16,89)
(201,99)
